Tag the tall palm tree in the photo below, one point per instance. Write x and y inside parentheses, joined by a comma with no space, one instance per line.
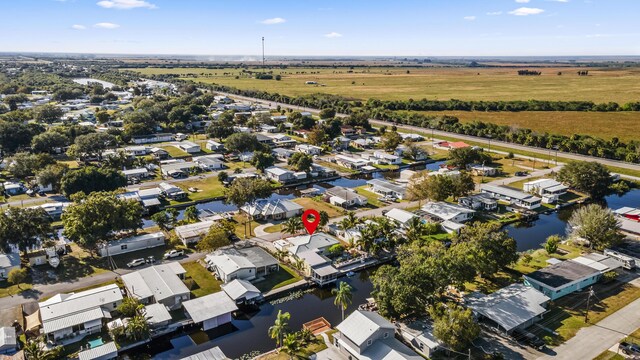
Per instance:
(292,225)
(368,236)
(279,328)
(324,218)
(343,296)
(387,231)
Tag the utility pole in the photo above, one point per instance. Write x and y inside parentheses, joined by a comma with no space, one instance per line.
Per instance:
(586,314)
(263,54)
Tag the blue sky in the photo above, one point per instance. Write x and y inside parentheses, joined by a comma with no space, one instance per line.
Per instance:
(327,27)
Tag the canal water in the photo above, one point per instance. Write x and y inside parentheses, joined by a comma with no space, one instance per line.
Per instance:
(531,236)
(85,81)
(250,332)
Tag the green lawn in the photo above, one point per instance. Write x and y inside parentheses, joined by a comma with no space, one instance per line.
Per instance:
(203,282)
(305,353)
(609,355)
(540,256)
(7,289)
(174,152)
(283,277)
(372,198)
(566,315)
(319,205)
(273,228)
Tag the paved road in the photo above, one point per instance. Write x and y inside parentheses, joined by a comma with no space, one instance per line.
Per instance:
(536,150)
(47,290)
(591,341)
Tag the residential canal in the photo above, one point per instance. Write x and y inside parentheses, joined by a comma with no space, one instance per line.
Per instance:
(249,333)
(530,236)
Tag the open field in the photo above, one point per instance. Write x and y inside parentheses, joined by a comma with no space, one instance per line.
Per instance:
(602,85)
(624,125)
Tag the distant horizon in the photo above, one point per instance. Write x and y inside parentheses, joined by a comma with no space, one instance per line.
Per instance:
(324,27)
(321,57)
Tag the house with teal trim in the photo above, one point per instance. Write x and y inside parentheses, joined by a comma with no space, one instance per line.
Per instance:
(562,278)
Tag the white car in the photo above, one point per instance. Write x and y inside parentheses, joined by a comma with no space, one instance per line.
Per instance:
(136,262)
(173,253)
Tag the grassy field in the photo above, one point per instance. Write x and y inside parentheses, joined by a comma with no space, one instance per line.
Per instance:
(283,277)
(602,85)
(203,282)
(309,203)
(627,123)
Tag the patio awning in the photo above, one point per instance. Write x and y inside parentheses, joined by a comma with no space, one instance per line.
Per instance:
(33,321)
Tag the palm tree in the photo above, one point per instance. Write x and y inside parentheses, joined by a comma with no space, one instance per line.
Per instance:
(291,345)
(349,221)
(279,328)
(343,296)
(292,225)
(191,214)
(34,350)
(415,229)
(324,218)
(368,235)
(387,230)
(137,328)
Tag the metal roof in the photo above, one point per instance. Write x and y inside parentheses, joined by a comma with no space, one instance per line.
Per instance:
(344,193)
(510,306)
(389,186)
(160,281)
(316,241)
(445,211)
(73,309)
(195,229)
(508,192)
(9,260)
(563,273)
(102,352)
(238,289)
(7,337)
(360,325)
(209,307)
(400,215)
(211,354)
(156,313)
(229,264)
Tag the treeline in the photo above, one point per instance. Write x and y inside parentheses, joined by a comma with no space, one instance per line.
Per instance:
(513,106)
(579,144)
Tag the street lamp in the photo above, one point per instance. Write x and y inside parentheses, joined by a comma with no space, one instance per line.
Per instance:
(489,137)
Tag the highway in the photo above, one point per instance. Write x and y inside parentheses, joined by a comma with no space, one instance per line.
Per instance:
(517,147)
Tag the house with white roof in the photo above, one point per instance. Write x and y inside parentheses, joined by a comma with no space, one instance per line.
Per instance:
(192,233)
(513,196)
(214,146)
(309,149)
(279,174)
(188,147)
(351,162)
(344,197)
(211,354)
(211,310)
(134,243)
(283,140)
(171,191)
(445,211)
(382,158)
(311,250)
(241,263)
(419,335)
(365,335)
(516,306)
(209,162)
(107,351)
(8,262)
(282,153)
(157,315)
(75,315)
(549,189)
(138,173)
(8,340)
(158,284)
(388,188)
(401,217)
(137,150)
(241,291)
(279,209)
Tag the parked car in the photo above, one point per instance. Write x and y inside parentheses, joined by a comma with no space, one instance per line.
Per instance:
(173,253)
(521,173)
(630,349)
(530,339)
(151,260)
(135,262)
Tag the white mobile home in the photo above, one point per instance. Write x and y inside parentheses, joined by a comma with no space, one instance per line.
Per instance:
(134,243)
(192,233)
(158,284)
(212,310)
(188,147)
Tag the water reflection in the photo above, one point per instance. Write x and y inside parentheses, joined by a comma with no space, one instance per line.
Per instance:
(249,334)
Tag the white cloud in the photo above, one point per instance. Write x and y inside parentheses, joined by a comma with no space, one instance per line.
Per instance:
(525,11)
(562,1)
(273,21)
(522,1)
(470,18)
(125,4)
(106,25)
(494,13)
(78,27)
(333,34)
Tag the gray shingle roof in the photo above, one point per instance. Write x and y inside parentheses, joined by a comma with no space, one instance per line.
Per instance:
(562,273)
(360,325)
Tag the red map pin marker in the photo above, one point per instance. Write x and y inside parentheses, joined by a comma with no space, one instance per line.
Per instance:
(311,226)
